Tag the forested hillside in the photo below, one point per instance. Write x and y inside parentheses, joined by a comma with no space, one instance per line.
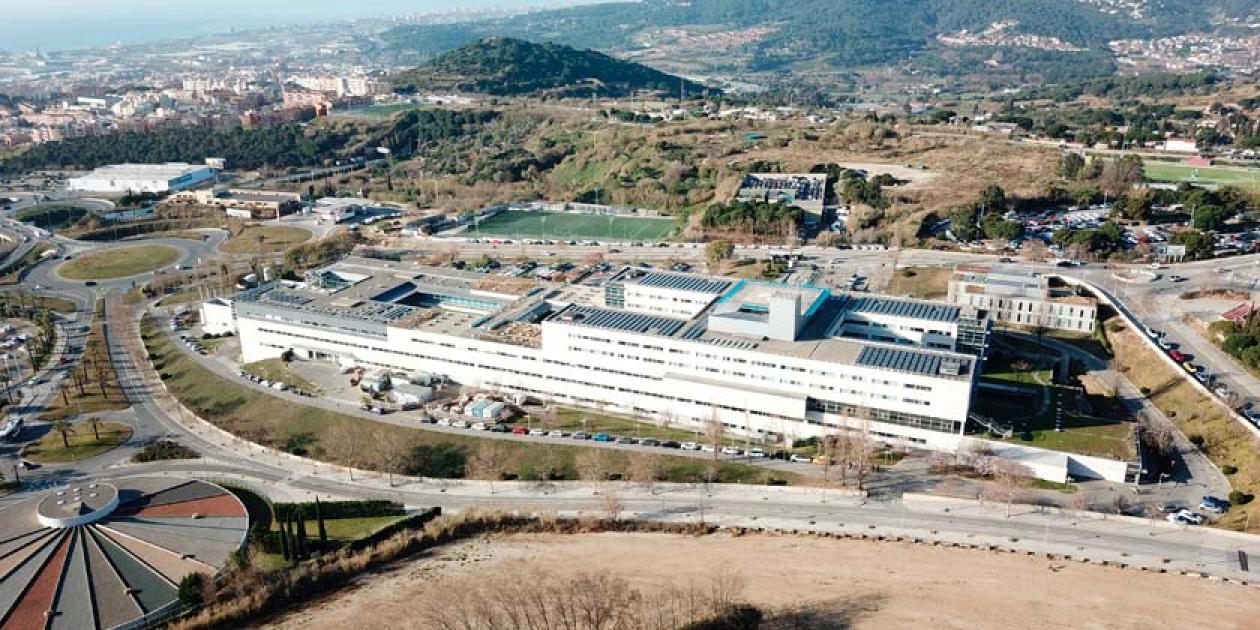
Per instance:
(506,66)
(843,33)
(277,146)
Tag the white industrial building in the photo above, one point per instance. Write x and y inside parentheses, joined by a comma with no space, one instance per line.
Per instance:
(772,361)
(142,178)
(1023,298)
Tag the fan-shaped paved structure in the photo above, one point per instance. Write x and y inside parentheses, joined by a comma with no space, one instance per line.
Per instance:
(105,555)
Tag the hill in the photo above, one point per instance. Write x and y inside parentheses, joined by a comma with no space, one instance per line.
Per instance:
(508,67)
(1066,38)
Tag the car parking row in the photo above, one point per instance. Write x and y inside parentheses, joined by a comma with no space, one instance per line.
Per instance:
(611,438)
(1200,373)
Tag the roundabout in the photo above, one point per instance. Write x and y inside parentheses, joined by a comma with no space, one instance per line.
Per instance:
(119,262)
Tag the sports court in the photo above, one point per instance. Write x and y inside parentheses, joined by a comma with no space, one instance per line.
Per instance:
(516,223)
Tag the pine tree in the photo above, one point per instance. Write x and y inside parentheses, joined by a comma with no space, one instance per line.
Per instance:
(319,518)
(301,537)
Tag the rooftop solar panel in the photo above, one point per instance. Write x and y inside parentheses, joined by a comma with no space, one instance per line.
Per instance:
(904,308)
(911,361)
(619,320)
(683,282)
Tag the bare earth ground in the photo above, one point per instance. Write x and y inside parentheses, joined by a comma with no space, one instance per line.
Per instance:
(893,585)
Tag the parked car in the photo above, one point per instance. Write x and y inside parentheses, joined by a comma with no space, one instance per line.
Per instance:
(500,428)
(537,432)
(1176,355)
(479,426)
(1190,367)
(797,458)
(625,439)
(731,450)
(444,422)
(1171,508)
(1165,344)
(602,437)
(690,446)
(650,442)
(670,444)
(706,448)
(1214,504)
(459,424)
(1193,518)
(581,435)
(520,431)
(756,452)
(555,433)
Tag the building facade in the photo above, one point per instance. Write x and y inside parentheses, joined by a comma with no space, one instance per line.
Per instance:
(1024,298)
(771,361)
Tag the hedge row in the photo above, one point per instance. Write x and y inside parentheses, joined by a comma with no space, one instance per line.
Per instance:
(337,509)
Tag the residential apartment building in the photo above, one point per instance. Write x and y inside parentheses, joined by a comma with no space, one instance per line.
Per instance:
(1021,297)
(772,361)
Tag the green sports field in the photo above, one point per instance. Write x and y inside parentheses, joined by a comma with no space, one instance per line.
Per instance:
(1218,175)
(514,223)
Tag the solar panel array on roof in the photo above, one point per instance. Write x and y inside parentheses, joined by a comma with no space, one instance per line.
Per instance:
(619,320)
(392,294)
(909,361)
(904,308)
(683,282)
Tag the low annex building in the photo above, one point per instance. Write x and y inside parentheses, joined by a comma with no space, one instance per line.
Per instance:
(245,204)
(1022,297)
(769,360)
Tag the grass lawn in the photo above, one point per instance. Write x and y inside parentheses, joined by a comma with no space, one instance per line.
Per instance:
(1225,441)
(277,370)
(274,238)
(514,224)
(50,449)
(119,262)
(920,282)
(1219,175)
(100,389)
(273,421)
(347,529)
(51,216)
(1033,416)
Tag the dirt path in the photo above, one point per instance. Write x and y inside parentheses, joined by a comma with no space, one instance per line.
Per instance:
(890,585)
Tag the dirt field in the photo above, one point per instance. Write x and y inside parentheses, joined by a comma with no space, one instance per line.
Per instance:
(873,585)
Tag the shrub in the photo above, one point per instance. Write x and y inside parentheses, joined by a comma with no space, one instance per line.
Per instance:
(1197,440)
(1146,391)
(192,589)
(1229,469)
(165,449)
(1238,497)
(443,461)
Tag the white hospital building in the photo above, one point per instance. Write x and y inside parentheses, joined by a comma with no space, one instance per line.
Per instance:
(772,361)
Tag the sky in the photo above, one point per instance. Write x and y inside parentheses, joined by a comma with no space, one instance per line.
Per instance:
(59,24)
